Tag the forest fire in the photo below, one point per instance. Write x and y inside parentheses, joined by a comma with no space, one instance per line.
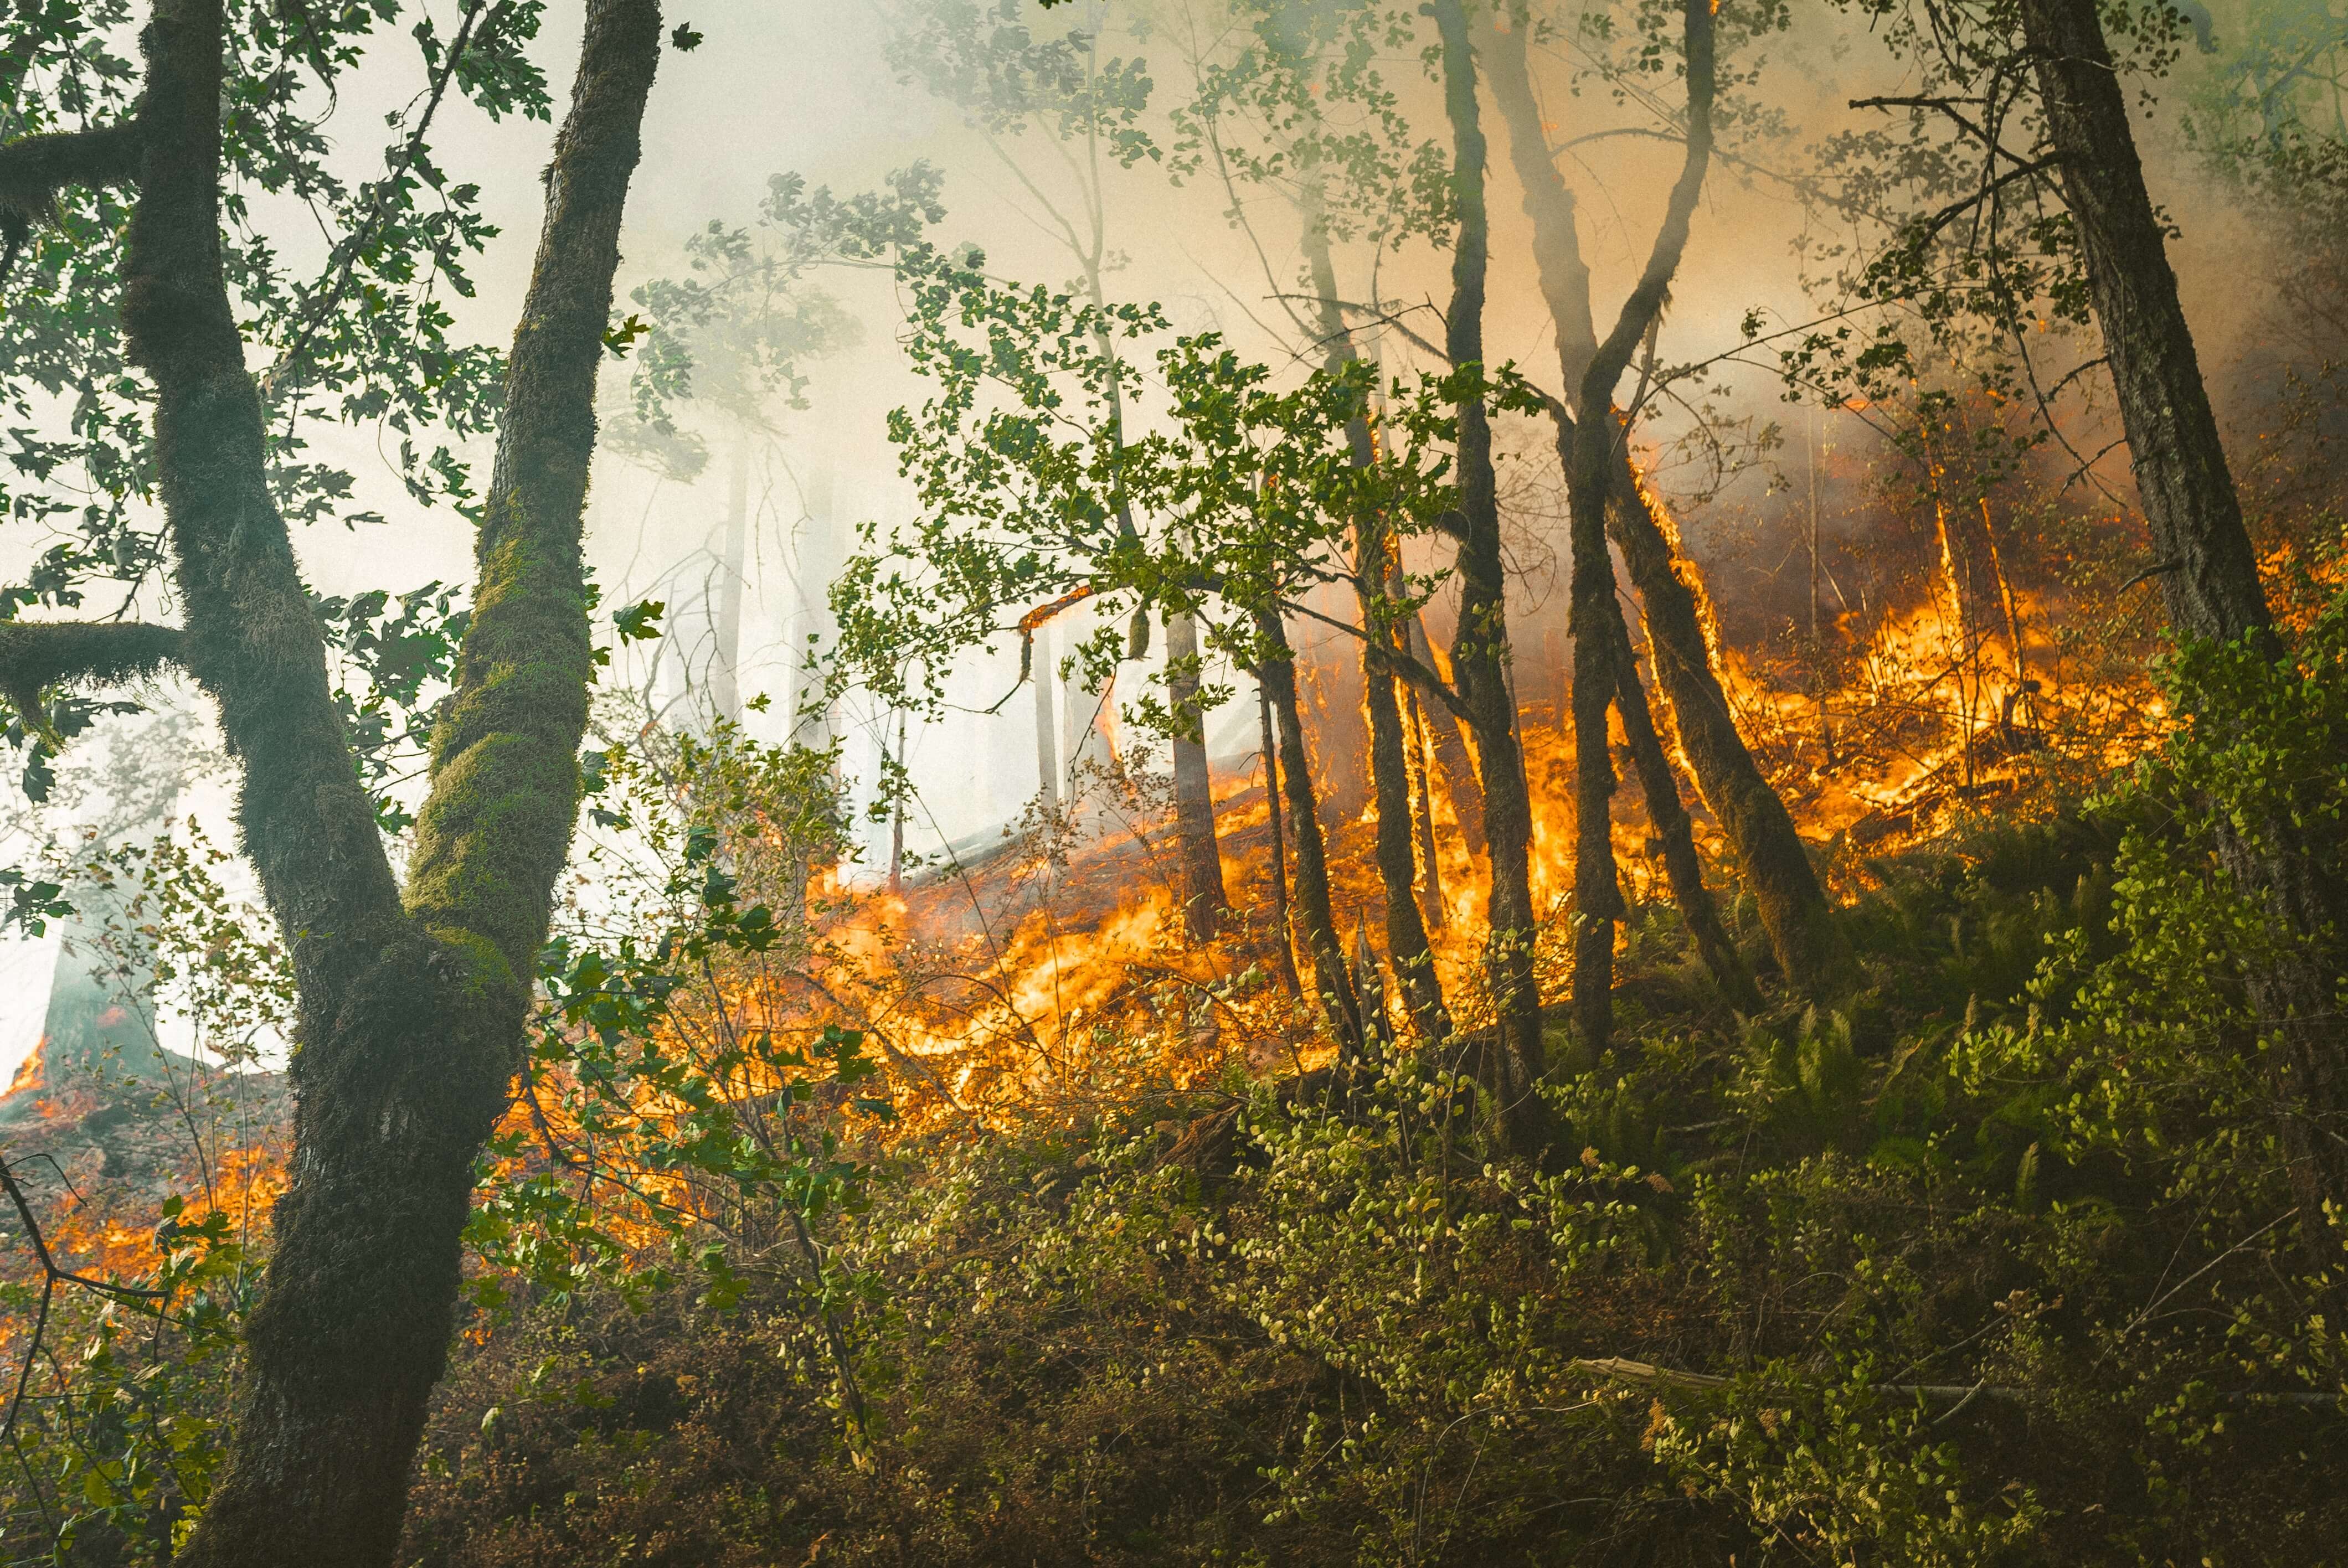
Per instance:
(1229,780)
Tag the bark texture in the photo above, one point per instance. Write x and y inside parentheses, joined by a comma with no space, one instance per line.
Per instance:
(1309,906)
(1565,289)
(1479,654)
(1204,901)
(1284,946)
(1675,834)
(1408,948)
(1598,636)
(2207,573)
(1761,835)
(411,1009)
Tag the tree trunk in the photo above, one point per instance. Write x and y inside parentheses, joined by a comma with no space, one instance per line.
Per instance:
(1408,948)
(897,819)
(1811,946)
(1674,833)
(1316,921)
(1761,833)
(410,1017)
(1479,654)
(1419,753)
(1042,675)
(725,613)
(1598,905)
(2206,569)
(1284,942)
(1203,899)
(1599,633)
(1460,784)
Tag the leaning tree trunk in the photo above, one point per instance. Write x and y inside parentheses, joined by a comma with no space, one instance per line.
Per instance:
(1317,920)
(1479,653)
(1811,946)
(1675,834)
(410,1011)
(1203,898)
(1407,948)
(1761,834)
(2206,569)
(1418,756)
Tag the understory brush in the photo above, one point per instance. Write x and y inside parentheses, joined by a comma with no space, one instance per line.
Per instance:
(1992,1261)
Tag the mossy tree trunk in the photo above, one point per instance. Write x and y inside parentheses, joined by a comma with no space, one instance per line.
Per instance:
(1768,849)
(411,1006)
(1479,653)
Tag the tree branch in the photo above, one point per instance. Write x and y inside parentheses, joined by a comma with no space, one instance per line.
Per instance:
(495,831)
(1397,662)
(35,169)
(38,654)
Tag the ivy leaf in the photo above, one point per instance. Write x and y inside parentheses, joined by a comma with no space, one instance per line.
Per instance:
(686,39)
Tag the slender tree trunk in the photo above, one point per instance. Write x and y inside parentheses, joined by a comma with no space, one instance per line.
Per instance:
(1042,675)
(1598,636)
(1419,752)
(1674,833)
(897,819)
(1598,631)
(2207,571)
(1284,941)
(1317,920)
(726,616)
(1479,656)
(410,1011)
(1460,784)
(1203,899)
(1811,946)
(1817,642)
(1407,944)
(1761,834)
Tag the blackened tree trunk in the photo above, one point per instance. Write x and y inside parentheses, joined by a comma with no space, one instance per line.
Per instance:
(1479,654)
(1565,289)
(1811,946)
(1285,945)
(1317,920)
(1204,901)
(411,1006)
(1599,635)
(2206,569)
(1674,833)
(1419,754)
(1408,948)
(1460,784)
(1761,834)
